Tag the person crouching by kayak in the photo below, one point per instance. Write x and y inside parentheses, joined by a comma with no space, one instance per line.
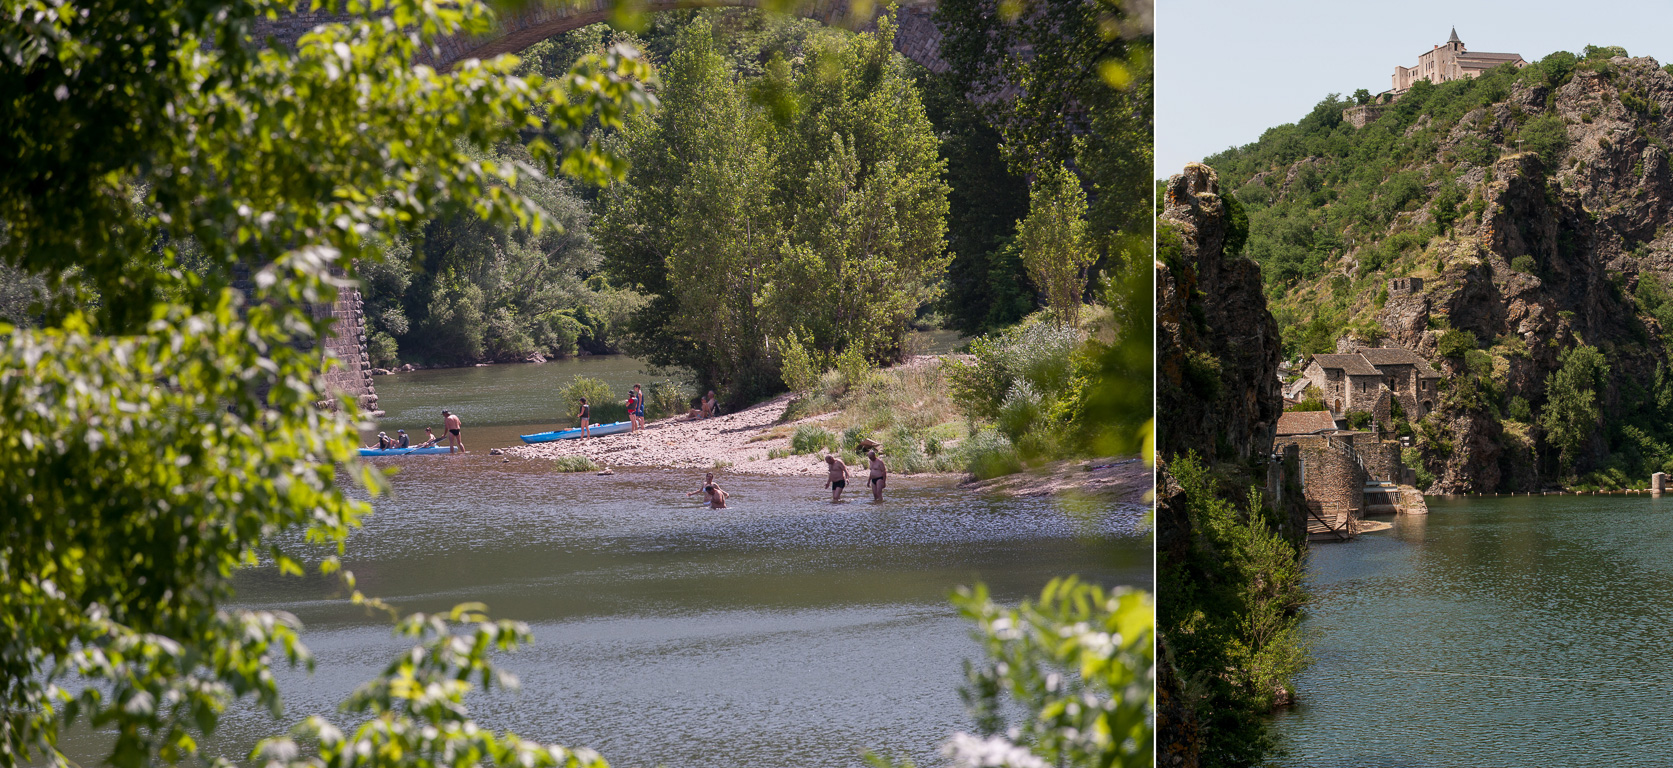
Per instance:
(585,416)
(838,476)
(452,424)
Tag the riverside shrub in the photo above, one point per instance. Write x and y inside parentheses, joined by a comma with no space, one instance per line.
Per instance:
(606,406)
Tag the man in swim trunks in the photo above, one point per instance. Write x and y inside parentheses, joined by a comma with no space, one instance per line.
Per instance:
(879,476)
(838,478)
(452,424)
(716,497)
(585,415)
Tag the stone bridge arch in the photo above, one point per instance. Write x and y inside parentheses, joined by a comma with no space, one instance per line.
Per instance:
(917,38)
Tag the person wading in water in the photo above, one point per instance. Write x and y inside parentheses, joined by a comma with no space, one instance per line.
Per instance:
(452,424)
(838,477)
(585,414)
(879,476)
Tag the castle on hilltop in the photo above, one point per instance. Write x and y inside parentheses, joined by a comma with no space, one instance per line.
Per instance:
(1451,61)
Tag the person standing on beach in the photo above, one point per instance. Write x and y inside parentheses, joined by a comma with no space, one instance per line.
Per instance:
(838,478)
(637,412)
(452,424)
(585,415)
(632,405)
(879,476)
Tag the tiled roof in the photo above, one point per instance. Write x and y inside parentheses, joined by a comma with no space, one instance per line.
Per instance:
(1304,422)
(1486,59)
(1399,356)
(1389,356)
(1353,365)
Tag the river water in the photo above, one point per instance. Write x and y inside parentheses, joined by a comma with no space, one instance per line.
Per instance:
(783,631)
(1502,631)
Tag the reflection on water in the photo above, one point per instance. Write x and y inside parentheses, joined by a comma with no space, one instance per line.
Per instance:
(1506,631)
(783,631)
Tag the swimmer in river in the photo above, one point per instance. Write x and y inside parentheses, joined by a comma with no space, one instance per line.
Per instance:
(879,476)
(708,480)
(838,478)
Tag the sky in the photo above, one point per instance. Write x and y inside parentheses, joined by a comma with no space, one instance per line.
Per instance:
(1226,70)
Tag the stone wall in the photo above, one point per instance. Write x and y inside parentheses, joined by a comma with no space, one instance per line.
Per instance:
(348,373)
(1331,478)
(1381,458)
(1363,115)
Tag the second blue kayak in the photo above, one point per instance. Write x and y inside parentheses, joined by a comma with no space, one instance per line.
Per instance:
(598,430)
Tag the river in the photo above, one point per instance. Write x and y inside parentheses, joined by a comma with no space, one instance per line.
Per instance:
(783,631)
(1495,631)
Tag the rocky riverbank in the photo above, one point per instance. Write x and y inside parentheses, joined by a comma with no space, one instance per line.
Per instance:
(737,442)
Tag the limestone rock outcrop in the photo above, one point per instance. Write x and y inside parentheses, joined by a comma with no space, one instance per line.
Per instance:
(1216,343)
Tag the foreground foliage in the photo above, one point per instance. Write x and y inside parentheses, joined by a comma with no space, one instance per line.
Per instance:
(162,426)
(1066,681)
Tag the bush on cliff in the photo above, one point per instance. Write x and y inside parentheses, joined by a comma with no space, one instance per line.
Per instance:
(1232,614)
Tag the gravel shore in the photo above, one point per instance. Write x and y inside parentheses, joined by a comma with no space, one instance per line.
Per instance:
(684,443)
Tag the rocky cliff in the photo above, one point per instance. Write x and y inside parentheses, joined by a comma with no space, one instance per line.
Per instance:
(1216,344)
(1535,208)
(1217,398)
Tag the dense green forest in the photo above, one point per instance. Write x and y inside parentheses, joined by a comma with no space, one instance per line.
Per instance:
(1532,203)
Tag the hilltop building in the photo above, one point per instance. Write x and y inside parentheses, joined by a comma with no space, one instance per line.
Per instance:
(1451,61)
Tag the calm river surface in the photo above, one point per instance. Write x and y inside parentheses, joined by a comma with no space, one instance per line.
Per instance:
(1494,632)
(785,631)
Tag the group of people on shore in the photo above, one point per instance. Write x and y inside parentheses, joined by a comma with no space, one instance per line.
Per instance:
(710,406)
(450,423)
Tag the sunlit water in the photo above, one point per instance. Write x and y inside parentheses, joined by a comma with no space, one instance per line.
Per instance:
(785,631)
(1503,631)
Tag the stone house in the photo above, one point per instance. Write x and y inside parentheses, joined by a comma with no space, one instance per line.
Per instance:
(1355,381)
(1451,61)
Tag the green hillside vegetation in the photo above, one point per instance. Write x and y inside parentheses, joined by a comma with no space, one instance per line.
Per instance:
(1437,187)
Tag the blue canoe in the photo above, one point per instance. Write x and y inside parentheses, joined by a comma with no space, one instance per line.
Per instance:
(431,451)
(597,430)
